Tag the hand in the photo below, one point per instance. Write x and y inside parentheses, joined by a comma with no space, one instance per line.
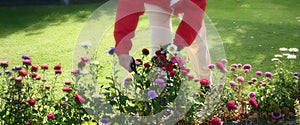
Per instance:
(125,60)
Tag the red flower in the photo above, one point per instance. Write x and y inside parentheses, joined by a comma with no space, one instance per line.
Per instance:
(138,62)
(57,67)
(79,98)
(231,106)
(31,102)
(67,82)
(4,64)
(147,65)
(18,79)
(169,67)
(47,87)
(50,116)
(145,52)
(172,73)
(215,121)
(27,62)
(34,68)
(67,89)
(158,52)
(253,102)
(34,75)
(204,82)
(57,71)
(22,73)
(44,66)
(162,58)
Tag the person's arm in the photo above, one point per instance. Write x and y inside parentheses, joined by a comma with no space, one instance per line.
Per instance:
(193,14)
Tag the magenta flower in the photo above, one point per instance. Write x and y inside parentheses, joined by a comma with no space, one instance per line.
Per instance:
(85,59)
(297,74)
(190,76)
(67,89)
(250,82)
(232,83)
(230,105)
(253,102)
(252,94)
(246,71)
(254,79)
(22,73)
(204,82)
(31,102)
(276,115)
(47,87)
(241,79)
(233,68)
(258,73)
(239,65)
(63,104)
(169,67)
(75,72)
(34,68)
(215,121)
(247,66)
(44,66)
(18,79)
(173,73)
(234,65)
(50,116)
(152,94)
(224,61)
(57,71)
(79,98)
(221,67)
(4,63)
(268,74)
(27,62)
(196,94)
(67,82)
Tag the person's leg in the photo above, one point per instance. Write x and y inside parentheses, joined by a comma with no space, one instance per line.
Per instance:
(199,54)
(161,26)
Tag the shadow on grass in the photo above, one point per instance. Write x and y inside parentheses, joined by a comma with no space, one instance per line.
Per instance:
(33,19)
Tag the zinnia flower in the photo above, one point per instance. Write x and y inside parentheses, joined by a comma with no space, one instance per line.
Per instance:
(50,116)
(215,121)
(145,52)
(152,94)
(204,82)
(230,105)
(79,98)
(253,102)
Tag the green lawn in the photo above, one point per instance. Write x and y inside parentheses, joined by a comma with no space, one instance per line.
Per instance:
(252,31)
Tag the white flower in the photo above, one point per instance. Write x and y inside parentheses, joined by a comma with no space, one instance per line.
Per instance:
(291,56)
(293,50)
(185,58)
(283,49)
(275,59)
(278,56)
(86,44)
(172,49)
(169,56)
(285,54)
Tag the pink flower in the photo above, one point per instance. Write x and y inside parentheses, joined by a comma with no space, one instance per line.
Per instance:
(4,63)
(224,61)
(247,66)
(254,79)
(34,68)
(38,78)
(241,79)
(75,72)
(190,76)
(246,71)
(196,94)
(215,121)
(27,62)
(231,106)
(22,73)
(204,82)
(185,72)
(34,75)
(18,79)
(211,66)
(250,82)
(67,89)
(234,65)
(50,116)
(232,83)
(258,73)
(47,87)
(253,102)
(79,98)
(233,68)
(268,74)
(85,59)
(221,67)
(159,81)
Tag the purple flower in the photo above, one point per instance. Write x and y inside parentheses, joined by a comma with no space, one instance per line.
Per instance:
(106,93)
(26,57)
(105,120)
(152,94)
(258,73)
(17,68)
(159,81)
(247,66)
(252,94)
(241,79)
(276,115)
(232,83)
(297,74)
(268,74)
(127,80)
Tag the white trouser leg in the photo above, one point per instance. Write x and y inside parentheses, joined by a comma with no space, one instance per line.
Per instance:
(200,54)
(161,26)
